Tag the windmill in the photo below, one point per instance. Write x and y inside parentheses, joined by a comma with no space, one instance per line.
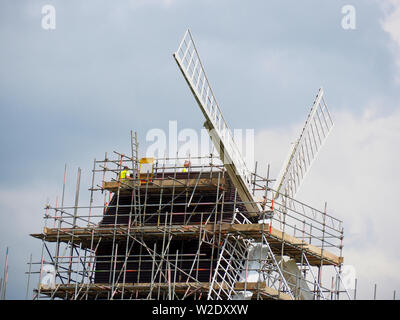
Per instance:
(203,233)
(235,249)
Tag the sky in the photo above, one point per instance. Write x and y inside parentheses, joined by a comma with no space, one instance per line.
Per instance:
(69,94)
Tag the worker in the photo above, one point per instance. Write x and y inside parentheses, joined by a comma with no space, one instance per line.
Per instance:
(186,166)
(125,174)
(267,210)
(264,202)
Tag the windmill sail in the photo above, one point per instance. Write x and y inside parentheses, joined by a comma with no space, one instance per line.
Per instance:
(314,133)
(192,69)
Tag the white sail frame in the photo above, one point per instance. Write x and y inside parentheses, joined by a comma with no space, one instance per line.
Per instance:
(315,131)
(192,69)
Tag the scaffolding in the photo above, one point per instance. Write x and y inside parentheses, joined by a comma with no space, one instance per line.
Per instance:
(169,233)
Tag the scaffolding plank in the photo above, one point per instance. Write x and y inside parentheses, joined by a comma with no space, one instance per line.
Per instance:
(262,288)
(155,185)
(93,289)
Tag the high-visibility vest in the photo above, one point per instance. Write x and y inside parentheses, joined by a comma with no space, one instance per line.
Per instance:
(123,174)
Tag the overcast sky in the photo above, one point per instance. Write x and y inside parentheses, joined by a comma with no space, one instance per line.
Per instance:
(70,94)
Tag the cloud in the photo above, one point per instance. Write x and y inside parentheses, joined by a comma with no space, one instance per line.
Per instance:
(356,172)
(391,24)
(162,3)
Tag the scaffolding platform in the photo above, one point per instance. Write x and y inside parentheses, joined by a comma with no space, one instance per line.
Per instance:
(171,180)
(141,290)
(293,247)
